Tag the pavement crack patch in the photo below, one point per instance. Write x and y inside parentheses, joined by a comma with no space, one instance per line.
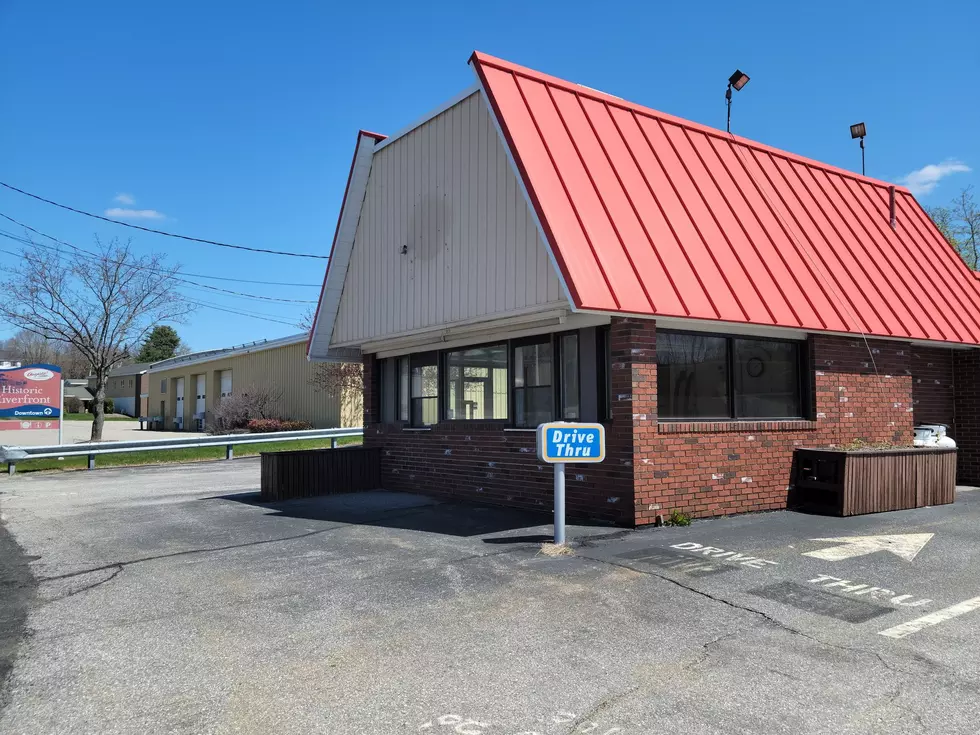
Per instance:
(604,704)
(115,573)
(215,549)
(759,613)
(706,649)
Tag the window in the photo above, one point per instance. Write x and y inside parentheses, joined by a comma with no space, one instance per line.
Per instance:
(533,390)
(163,385)
(703,376)
(692,376)
(476,383)
(767,378)
(425,389)
(402,377)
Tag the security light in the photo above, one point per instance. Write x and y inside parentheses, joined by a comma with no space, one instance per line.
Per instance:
(859,130)
(738,80)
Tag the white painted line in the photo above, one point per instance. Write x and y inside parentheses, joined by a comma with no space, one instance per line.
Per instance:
(940,616)
(905,545)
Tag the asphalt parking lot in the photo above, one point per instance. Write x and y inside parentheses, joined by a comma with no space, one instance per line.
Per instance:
(167,600)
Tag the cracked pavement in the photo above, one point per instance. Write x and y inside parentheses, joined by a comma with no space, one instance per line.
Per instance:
(167,600)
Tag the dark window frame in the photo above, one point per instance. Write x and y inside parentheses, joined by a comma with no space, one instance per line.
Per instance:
(420,359)
(557,403)
(444,380)
(441,356)
(802,378)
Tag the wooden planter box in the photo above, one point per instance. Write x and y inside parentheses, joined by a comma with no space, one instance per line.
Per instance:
(305,473)
(852,482)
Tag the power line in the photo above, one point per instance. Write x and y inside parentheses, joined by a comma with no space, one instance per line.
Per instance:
(204,304)
(94,256)
(163,232)
(192,275)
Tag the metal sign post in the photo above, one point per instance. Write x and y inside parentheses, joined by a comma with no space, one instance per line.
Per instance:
(561,442)
(61,415)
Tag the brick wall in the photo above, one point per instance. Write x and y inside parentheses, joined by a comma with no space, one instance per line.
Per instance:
(652,468)
(932,387)
(482,462)
(718,468)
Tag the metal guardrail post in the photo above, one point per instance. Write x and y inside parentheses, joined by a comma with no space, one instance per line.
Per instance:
(229,451)
(91,461)
(11,468)
(333,443)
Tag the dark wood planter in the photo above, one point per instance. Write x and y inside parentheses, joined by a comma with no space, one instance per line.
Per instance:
(847,483)
(305,473)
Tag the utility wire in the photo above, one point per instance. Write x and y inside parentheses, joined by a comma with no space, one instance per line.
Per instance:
(204,304)
(88,254)
(193,275)
(162,232)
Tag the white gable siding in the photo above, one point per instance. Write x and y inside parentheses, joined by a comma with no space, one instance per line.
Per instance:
(446,190)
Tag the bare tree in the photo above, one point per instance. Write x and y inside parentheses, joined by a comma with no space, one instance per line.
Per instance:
(959,223)
(235,411)
(942,217)
(102,304)
(966,227)
(344,381)
(35,348)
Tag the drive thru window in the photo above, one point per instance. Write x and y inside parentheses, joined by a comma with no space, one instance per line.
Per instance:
(522,382)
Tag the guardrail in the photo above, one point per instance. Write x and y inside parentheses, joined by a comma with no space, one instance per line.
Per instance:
(13,455)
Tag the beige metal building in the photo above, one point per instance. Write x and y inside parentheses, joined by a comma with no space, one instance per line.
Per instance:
(185,390)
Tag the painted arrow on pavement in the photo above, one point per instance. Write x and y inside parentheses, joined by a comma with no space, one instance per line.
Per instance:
(905,545)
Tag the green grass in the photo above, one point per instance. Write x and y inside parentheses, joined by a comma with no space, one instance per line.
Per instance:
(89,417)
(171,456)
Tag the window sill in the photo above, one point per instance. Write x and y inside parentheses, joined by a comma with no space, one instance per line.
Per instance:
(416,428)
(733,427)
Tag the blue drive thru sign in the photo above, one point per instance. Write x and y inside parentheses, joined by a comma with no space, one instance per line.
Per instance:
(560,441)
(563,441)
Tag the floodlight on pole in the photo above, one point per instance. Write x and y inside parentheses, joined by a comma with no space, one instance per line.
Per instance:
(736,80)
(859,130)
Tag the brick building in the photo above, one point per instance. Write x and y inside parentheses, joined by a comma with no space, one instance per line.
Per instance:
(536,250)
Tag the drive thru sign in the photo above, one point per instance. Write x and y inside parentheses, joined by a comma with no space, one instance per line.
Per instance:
(560,442)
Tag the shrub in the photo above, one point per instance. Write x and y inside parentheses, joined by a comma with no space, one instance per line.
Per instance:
(676,518)
(73,405)
(234,412)
(288,425)
(264,426)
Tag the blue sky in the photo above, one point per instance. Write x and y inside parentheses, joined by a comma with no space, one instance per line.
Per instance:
(236,121)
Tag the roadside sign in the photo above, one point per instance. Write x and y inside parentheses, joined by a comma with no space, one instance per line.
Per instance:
(30,397)
(560,442)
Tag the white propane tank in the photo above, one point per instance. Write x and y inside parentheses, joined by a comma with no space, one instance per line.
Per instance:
(932,435)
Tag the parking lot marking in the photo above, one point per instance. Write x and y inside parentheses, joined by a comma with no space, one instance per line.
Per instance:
(855,588)
(905,545)
(940,616)
(732,557)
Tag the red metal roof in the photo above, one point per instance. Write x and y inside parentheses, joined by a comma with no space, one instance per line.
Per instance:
(651,214)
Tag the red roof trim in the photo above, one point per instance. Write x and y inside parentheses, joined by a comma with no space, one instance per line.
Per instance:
(336,230)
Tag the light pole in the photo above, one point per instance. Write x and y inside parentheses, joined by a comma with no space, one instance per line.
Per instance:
(859,130)
(736,80)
